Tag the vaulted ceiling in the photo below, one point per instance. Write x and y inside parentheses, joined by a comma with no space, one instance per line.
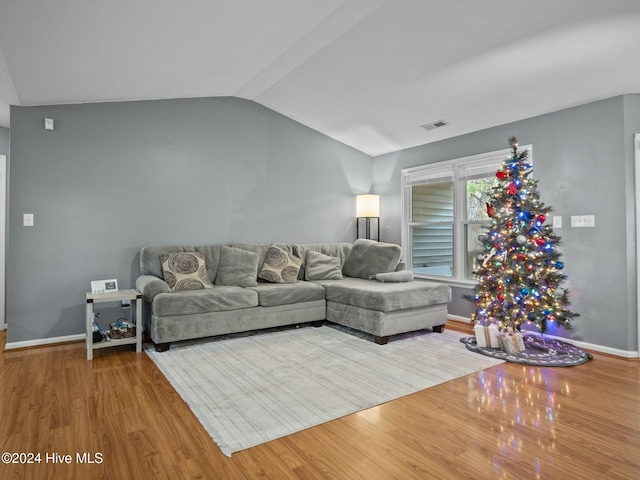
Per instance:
(368,73)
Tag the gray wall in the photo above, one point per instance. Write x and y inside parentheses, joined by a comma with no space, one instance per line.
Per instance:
(583,160)
(113,177)
(4,141)
(4,150)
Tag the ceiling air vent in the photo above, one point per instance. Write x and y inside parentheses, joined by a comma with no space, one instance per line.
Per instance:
(434,125)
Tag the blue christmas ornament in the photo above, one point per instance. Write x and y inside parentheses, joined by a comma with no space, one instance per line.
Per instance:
(524,291)
(559,265)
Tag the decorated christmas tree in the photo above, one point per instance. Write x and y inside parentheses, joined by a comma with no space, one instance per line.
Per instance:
(520,277)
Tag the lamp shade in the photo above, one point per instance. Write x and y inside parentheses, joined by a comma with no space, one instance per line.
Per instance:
(368,206)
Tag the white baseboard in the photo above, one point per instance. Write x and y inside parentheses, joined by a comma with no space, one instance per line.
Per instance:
(588,346)
(45,341)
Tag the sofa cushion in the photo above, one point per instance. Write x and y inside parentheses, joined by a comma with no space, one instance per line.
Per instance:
(368,257)
(185,271)
(216,299)
(279,266)
(322,267)
(237,267)
(273,294)
(385,297)
(212,258)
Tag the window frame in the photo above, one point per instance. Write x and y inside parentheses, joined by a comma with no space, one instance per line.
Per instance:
(461,169)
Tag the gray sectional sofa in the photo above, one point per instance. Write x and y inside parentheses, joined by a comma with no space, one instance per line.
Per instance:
(201,291)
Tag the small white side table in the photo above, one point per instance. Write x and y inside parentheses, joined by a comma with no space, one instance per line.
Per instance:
(135,298)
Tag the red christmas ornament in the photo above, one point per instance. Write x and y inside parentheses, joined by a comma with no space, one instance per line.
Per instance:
(500,174)
(509,224)
(540,241)
(501,297)
(490,210)
(512,189)
(541,218)
(521,256)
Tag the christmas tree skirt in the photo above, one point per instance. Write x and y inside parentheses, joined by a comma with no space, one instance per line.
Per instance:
(539,351)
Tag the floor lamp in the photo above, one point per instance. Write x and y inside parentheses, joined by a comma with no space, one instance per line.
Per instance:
(368,209)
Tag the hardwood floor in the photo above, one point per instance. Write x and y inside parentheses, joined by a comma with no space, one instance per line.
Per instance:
(506,422)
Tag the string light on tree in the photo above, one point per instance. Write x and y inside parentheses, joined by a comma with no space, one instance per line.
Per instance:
(520,274)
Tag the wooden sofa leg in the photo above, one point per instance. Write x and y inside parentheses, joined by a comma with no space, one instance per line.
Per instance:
(438,328)
(317,323)
(162,347)
(382,340)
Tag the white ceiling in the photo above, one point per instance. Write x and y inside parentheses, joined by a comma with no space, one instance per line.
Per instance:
(365,72)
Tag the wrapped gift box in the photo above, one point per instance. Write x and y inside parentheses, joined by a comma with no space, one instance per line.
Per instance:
(519,339)
(486,335)
(511,342)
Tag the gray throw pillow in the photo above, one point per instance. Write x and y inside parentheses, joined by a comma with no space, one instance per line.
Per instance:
(368,257)
(319,266)
(398,276)
(185,271)
(279,267)
(237,267)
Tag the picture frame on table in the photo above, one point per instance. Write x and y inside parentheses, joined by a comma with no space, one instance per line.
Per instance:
(104,286)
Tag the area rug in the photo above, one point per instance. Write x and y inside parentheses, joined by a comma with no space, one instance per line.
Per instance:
(539,351)
(250,389)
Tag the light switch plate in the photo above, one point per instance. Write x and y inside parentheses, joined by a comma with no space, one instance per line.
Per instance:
(48,123)
(28,219)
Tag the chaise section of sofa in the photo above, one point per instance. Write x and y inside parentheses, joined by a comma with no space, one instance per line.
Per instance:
(383,309)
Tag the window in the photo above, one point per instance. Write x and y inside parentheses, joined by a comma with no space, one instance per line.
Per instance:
(444,212)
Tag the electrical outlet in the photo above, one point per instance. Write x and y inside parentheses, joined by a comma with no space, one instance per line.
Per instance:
(580,221)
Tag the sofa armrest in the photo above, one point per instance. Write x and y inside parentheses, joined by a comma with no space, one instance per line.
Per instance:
(150,286)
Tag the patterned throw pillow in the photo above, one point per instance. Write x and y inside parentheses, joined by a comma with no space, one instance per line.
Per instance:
(185,271)
(279,267)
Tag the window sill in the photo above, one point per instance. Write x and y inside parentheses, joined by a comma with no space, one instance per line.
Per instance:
(470,284)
